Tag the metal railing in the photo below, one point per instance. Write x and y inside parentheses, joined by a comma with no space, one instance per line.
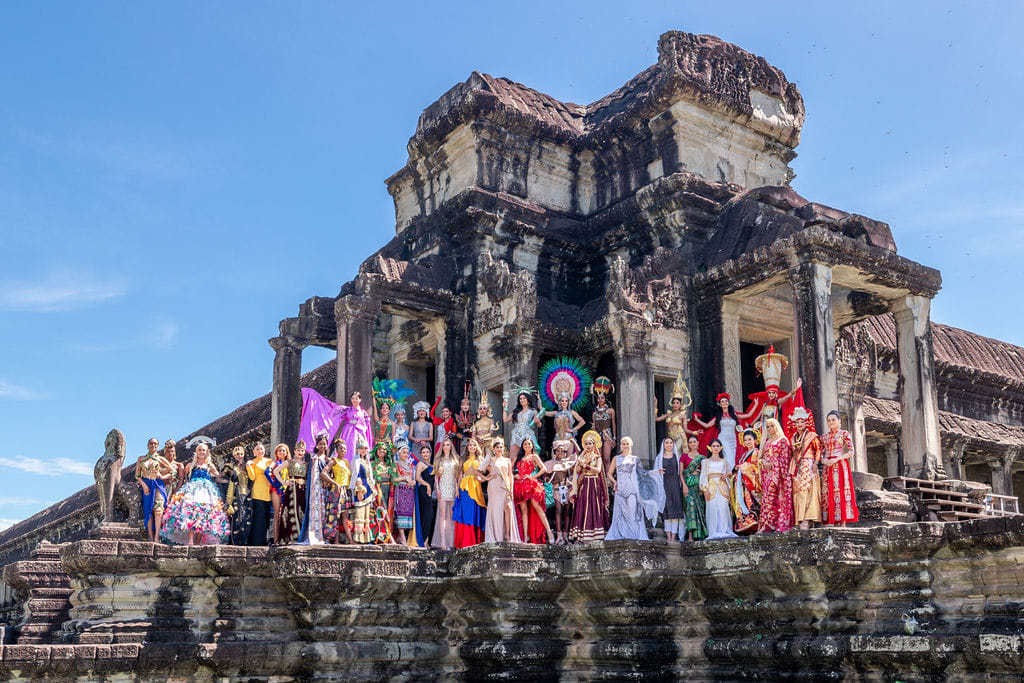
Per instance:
(1001,506)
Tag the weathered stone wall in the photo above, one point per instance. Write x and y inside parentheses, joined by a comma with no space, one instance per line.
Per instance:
(820,604)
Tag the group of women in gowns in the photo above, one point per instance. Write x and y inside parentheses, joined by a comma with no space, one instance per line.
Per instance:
(444,496)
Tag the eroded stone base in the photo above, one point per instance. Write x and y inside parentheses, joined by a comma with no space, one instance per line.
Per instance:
(819,604)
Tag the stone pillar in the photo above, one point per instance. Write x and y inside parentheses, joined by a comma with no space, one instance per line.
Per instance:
(954,465)
(456,359)
(708,362)
(815,337)
(1002,473)
(892,459)
(731,350)
(919,434)
(635,390)
(286,396)
(859,434)
(355,317)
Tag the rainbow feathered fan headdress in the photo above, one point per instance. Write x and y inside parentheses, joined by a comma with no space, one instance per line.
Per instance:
(564,376)
(390,391)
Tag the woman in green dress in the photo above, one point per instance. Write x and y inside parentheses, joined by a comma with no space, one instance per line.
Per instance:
(693,499)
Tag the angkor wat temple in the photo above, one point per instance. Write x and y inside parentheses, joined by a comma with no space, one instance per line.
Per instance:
(651,232)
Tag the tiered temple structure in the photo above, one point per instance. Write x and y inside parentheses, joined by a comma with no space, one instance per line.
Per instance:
(652,231)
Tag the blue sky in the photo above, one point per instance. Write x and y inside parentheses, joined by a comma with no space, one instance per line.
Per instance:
(177,177)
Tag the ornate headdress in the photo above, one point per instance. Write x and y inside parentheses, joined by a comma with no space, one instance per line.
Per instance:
(388,392)
(399,408)
(722,395)
(602,386)
(361,442)
(800,413)
(591,434)
(771,366)
(420,405)
(564,376)
(681,391)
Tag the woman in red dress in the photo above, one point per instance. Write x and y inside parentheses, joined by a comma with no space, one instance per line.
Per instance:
(776,484)
(839,499)
(528,495)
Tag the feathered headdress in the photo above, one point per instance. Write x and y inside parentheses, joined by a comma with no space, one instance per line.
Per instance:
(390,391)
(564,376)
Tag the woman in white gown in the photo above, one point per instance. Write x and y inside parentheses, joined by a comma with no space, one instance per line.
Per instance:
(635,495)
(727,427)
(714,484)
(500,525)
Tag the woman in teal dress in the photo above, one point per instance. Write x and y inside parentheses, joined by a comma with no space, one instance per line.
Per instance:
(693,499)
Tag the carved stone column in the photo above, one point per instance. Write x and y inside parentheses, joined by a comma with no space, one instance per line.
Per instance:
(1002,473)
(708,362)
(286,396)
(632,342)
(919,434)
(355,317)
(955,460)
(815,337)
(892,459)
(860,440)
(731,350)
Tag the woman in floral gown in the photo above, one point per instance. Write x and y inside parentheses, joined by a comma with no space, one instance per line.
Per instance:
(196,513)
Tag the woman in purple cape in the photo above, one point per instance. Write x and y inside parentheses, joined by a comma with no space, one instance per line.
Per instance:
(355,422)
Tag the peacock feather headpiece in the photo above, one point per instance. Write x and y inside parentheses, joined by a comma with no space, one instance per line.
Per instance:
(390,391)
(564,376)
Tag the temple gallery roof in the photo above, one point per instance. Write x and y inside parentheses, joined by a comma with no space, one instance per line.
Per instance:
(958,348)
(702,68)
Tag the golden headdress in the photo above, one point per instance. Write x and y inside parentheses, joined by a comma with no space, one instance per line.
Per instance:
(681,391)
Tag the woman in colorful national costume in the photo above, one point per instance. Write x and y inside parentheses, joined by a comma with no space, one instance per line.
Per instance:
(484,427)
(196,514)
(336,479)
(470,510)
(746,486)
(293,501)
(421,431)
(370,521)
(150,472)
(444,424)
(669,465)
(312,531)
(561,466)
(383,471)
(238,499)
(448,470)
(525,419)
(355,422)
(715,482)
(426,504)
(768,405)
(589,494)
(602,418)
(724,425)
(387,395)
(404,485)
(501,525)
(564,389)
(281,455)
(696,521)
(636,495)
(675,419)
(776,482)
(804,470)
(401,429)
(528,495)
(839,505)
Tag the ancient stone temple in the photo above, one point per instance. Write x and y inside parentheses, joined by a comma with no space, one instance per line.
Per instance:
(649,233)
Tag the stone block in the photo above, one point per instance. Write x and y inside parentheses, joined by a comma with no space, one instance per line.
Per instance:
(866,481)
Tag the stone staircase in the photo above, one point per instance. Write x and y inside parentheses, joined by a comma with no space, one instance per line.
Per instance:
(950,500)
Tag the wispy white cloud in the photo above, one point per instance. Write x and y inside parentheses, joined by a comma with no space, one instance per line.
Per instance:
(14,392)
(55,467)
(59,292)
(161,334)
(7,523)
(15,500)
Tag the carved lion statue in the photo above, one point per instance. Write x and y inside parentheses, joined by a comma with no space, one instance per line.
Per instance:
(108,472)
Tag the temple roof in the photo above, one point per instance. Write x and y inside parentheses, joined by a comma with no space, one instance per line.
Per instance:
(991,436)
(702,68)
(958,348)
